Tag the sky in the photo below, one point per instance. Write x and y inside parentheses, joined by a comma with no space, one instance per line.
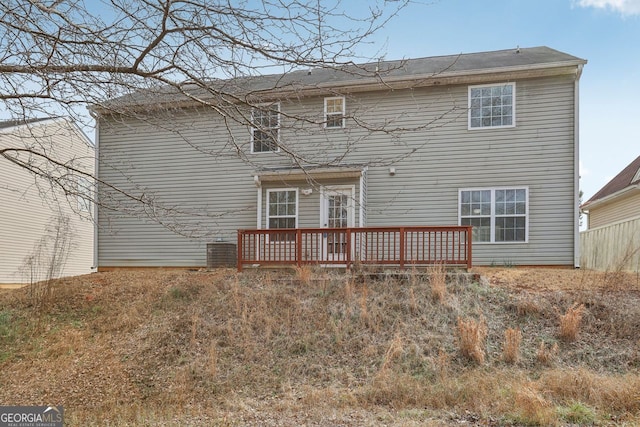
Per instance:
(604,32)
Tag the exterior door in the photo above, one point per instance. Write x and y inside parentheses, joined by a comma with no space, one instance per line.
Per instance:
(338,212)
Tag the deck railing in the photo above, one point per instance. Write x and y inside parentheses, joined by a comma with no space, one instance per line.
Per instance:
(388,246)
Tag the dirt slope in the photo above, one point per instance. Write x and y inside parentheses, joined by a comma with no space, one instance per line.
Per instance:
(315,348)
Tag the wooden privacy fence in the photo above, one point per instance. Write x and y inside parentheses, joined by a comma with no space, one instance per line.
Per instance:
(392,246)
(612,247)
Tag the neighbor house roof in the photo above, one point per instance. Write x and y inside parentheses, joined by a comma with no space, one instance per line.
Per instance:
(436,70)
(5,124)
(628,179)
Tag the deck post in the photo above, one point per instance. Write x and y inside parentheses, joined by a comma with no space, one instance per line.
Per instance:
(239,251)
(348,248)
(402,245)
(469,241)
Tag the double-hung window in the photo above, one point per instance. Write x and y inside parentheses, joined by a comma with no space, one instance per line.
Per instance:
(265,133)
(334,112)
(492,106)
(282,212)
(498,215)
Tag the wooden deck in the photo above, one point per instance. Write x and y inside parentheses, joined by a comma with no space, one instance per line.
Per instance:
(344,247)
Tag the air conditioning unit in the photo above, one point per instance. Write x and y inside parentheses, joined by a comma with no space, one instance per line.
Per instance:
(222,255)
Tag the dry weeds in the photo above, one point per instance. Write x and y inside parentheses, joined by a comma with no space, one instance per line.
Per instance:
(471,336)
(570,322)
(438,281)
(144,348)
(511,346)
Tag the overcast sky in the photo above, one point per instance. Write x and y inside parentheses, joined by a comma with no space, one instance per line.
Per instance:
(604,32)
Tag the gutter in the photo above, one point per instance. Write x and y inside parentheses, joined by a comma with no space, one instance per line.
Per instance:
(377,82)
(611,197)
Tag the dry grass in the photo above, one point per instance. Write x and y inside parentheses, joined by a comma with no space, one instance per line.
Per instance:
(570,322)
(471,336)
(547,355)
(304,274)
(261,348)
(511,346)
(438,281)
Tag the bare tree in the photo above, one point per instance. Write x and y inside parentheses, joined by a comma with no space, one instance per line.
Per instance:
(57,57)
(146,60)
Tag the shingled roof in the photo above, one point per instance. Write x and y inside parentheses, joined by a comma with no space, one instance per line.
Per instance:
(629,177)
(448,69)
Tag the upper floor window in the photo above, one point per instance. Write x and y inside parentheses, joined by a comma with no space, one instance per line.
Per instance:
(334,112)
(492,106)
(265,133)
(496,214)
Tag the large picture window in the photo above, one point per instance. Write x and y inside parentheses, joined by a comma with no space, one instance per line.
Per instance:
(492,106)
(498,215)
(282,212)
(265,133)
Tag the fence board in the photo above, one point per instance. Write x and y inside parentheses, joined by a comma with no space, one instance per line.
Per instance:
(614,247)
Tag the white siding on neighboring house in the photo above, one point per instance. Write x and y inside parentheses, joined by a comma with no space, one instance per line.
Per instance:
(622,208)
(29,205)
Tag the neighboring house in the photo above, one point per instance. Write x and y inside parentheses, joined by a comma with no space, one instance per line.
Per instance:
(618,200)
(36,215)
(484,139)
(612,238)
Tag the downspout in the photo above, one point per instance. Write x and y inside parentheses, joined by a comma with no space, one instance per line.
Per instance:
(576,165)
(256,181)
(96,228)
(361,216)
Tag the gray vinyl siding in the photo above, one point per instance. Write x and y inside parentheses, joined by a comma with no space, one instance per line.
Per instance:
(29,206)
(432,150)
(309,205)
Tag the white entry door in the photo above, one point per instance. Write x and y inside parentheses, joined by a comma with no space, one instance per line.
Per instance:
(337,212)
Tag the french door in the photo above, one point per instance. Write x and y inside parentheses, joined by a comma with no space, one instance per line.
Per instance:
(337,212)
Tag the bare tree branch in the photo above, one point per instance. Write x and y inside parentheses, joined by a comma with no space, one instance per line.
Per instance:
(148,59)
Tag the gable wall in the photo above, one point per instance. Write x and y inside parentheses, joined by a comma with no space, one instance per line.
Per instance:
(208,169)
(29,205)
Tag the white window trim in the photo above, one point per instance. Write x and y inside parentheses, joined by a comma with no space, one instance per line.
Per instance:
(253,129)
(342,113)
(268,206)
(513,116)
(493,215)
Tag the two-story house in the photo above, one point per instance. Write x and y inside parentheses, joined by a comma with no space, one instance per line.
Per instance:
(484,139)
